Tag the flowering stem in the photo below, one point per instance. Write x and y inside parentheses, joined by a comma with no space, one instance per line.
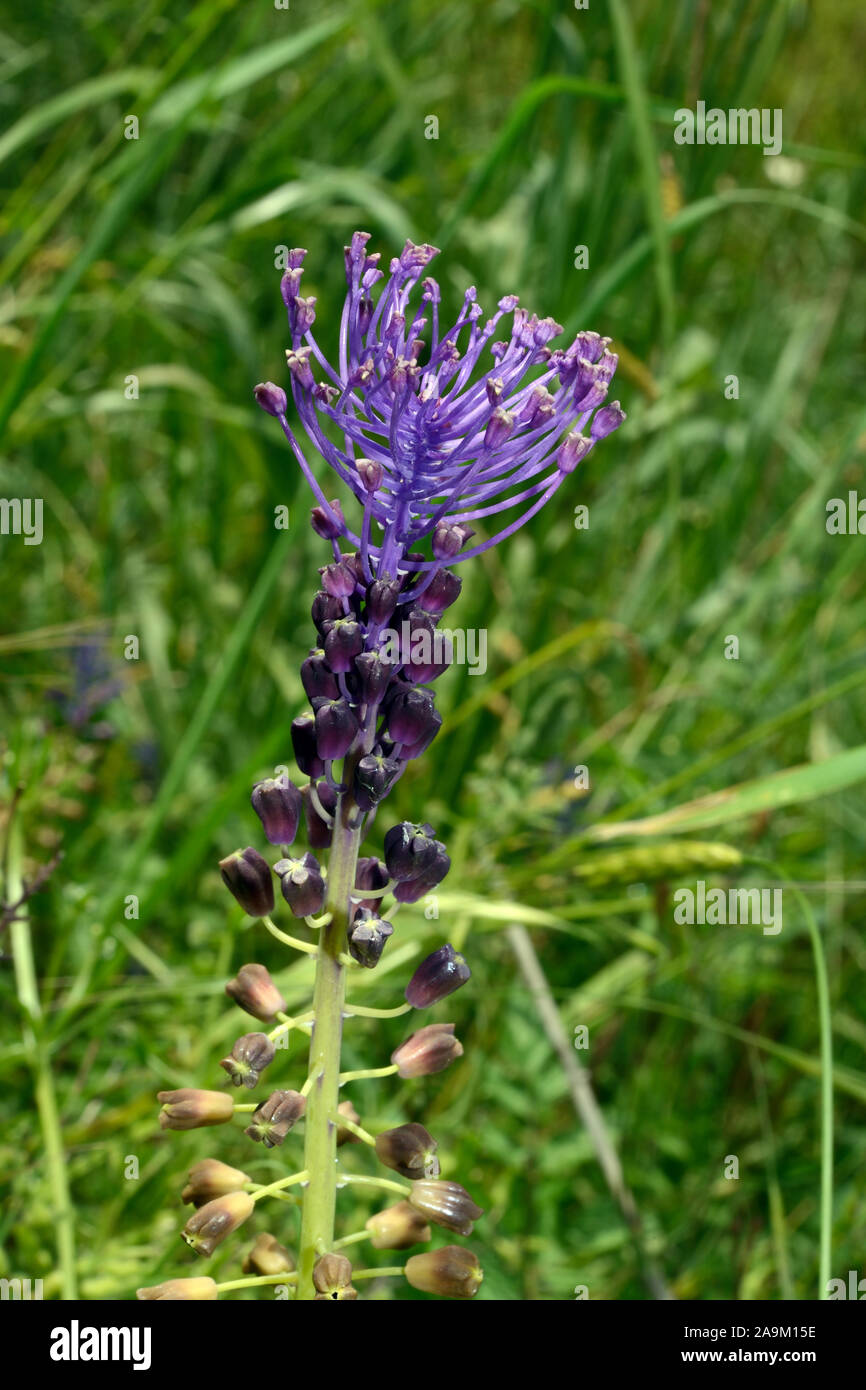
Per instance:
(350,1125)
(385,1184)
(250,1283)
(350,1240)
(275,1187)
(363,1011)
(320,1141)
(367,1074)
(287,940)
(385,1272)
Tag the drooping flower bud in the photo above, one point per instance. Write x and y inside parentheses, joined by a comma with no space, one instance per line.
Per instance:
(319,832)
(192,1109)
(255,992)
(277,803)
(302,884)
(446,1203)
(344,1135)
(443,590)
(374,676)
(209,1178)
(427,1051)
(450,1272)
(436,977)
(371,874)
(343,643)
(267,1256)
(374,778)
(332,1277)
(338,579)
(382,596)
(203,1290)
(410,714)
(414,889)
(328,524)
(306,747)
(409,1150)
(397,1227)
(368,936)
(410,850)
(317,678)
(273,1119)
(271,398)
(414,750)
(326,609)
(449,539)
(248,1059)
(336,727)
(247,876)
(210,1225)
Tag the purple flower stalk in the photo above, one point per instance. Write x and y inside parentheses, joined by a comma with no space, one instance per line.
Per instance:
(445,435)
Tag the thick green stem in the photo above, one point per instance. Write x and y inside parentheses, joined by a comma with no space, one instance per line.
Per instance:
(320,1145)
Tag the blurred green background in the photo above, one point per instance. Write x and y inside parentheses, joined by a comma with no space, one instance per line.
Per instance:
(154,258)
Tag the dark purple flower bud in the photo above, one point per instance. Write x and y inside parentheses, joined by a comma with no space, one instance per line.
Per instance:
(319,832)
(374,677)
(410,850)
(412,890)
(374,777)
(446,1203)
(371,473)
(336,727)
(277,803)
(450,1272)
(317,677)
(343,643)
(428,1051)
(271,398)
(189,1108)
(436,977)
(499,427)
(254,990)
(443,589)
(305,745)
(410,714)
(325,610)
(397,1227)
(449,539)
(338,579)
(302,884)
(273,1119)
(382,597)
(414,750)
(215,1220)
(332,1279)
(328,524)
(248,1059)
(298,363)
(368,936)
(409,1150)
(246,874)
(607,420)
(371,874)
(573,448)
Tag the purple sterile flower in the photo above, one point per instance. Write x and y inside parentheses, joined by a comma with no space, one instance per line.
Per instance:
(302,884)
(439,427)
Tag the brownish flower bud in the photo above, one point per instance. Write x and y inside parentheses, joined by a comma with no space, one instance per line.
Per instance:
(451,1272)
(249,1057)
(191,1109)
(255,992)
(210,1178)
(429,1050)
(345,1136)
(446,1203)
(397,1227)
(202,1290)
(210,1225)
(267,1256)
(409,1150)
(332,1276)
(273,1119)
